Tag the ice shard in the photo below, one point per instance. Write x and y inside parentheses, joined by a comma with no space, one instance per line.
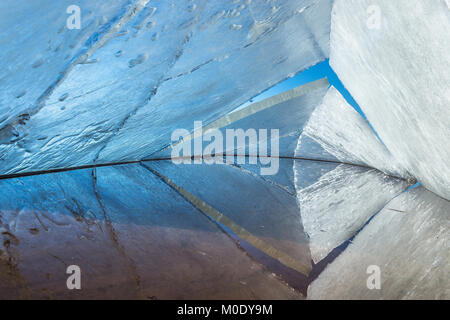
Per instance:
(335,201)
(338,129)
(143,242)
(406,244)
(393,58)
(151,68)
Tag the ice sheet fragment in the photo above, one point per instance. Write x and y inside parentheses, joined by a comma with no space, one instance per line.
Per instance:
(38,48)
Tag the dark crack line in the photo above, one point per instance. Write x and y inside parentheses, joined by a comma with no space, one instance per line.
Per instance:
(40,222)
(258,176)
(189,71)
(111,164)
(113,235)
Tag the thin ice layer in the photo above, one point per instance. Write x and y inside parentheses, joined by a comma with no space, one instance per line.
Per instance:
(338,201)
(285,113)
(393,58)
(247,202)
(343,133)
(160,68)
(408,241)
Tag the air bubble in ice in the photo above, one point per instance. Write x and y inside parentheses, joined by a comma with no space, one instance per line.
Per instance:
(138,60)
(155,36)
(63,97)
(192,7)
(38,63)
(21,94)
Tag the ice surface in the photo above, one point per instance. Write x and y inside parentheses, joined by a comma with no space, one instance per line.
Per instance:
(153,67)
(408,240)
(132,235)
(38,49)
(338,129)
(137,70)
(337,200)
(393,58)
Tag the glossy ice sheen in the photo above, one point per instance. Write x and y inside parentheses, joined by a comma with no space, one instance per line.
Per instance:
(155,68)
(393,57)
(408,240)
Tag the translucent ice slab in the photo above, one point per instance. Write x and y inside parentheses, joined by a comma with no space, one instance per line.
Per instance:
(339,130)
(393,57)
(251,206)
(337,200)
(408,241)
(284,177)
(287,113)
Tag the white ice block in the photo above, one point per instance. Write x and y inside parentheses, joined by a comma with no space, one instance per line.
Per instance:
(336,205)
(408,241)
(393,57)
(344,133)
